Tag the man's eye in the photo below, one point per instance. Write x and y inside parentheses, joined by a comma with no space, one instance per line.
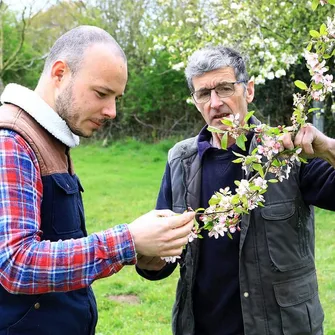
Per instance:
(100,94)
(224,88)
(203,94)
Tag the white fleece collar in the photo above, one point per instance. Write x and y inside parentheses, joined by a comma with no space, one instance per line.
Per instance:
(35,106)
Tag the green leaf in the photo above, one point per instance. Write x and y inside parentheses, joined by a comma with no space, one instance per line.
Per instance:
(235,199)
(273,181)
(300,84)
(254,151)
(309,46)
(276,163)
(227,122)
(331,2)
(254,188)
(240,141)
(317,86)
(315,4)
(314,33)
(238,160)
(215,130)
(245,201)
(313,109)
(213,201)
(248,116)
(258,167)
(238,210)
(323,29)
(238,155)
(229,235)
(209,225)
(224,141)
(302,160)
(199,209)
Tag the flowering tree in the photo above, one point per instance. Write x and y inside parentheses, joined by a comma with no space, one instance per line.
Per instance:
(225,208)
(271,31)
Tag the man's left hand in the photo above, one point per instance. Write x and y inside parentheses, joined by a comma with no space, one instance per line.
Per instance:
(312,142)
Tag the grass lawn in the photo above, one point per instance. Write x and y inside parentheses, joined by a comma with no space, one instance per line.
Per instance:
(121,182)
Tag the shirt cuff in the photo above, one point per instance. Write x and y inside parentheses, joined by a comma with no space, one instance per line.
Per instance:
(121,245)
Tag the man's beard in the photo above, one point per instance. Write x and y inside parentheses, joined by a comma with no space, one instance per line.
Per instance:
(65,108)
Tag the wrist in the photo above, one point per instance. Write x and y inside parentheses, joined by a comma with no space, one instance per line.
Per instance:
(329,154)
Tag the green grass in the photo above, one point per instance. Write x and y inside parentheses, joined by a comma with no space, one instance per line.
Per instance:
(121,182)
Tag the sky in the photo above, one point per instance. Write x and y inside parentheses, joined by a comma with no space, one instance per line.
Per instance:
(36,5)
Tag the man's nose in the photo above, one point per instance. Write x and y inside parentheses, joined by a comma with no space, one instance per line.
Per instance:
(109,111)
(215,100)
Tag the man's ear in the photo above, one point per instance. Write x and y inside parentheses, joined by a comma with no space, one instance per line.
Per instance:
(59,72)
(250,91)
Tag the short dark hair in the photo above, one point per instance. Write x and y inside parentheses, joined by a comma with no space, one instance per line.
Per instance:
(71,46)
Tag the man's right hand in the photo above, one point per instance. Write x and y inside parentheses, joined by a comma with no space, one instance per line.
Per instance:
(161,232)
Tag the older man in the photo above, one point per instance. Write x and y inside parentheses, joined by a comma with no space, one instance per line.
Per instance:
(262,281)
(47,261)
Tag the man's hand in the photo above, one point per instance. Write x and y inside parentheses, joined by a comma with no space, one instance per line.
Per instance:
(150,263)
(161,232)
(313,143)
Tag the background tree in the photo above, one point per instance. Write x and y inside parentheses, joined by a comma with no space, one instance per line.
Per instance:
(17,56)
(158,36)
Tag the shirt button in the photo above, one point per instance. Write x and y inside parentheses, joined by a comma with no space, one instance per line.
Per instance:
(37,305)
(246,294)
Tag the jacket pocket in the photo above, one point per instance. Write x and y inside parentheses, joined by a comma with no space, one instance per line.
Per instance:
(25,325)
(66,202)
(286,237)
(300,308)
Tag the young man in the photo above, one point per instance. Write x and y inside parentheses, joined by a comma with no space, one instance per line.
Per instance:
(47,261)
(262,281)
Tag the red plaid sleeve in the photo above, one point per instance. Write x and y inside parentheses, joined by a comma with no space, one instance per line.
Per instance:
(31,266)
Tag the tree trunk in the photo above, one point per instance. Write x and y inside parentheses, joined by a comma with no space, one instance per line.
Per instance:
(2,86)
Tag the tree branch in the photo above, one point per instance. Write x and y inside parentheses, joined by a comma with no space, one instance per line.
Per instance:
(12,58)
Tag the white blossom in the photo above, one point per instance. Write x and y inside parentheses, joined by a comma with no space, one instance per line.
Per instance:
(178,66)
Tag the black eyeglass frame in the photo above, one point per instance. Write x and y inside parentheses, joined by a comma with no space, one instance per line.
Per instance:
(210,89)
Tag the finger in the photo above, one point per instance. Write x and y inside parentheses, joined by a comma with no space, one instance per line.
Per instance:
(305,138)
(178,243)
(308,139)
(182,232)
(287,141)
(163,212)
(180,220)
(172,252)
(299,136)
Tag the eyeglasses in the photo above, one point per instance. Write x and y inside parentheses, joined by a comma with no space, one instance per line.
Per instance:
(223,90)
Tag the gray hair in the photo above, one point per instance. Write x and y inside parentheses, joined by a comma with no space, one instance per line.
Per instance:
(71,46)
(213,58)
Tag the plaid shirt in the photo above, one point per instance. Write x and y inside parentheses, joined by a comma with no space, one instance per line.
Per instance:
(29,265)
